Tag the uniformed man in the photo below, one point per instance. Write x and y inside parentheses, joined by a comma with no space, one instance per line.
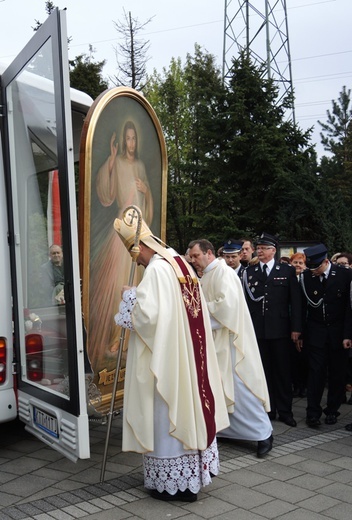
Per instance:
(275,304)
(327,332)
(231,252)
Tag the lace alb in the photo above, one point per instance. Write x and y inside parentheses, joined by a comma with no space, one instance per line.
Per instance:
(188,471)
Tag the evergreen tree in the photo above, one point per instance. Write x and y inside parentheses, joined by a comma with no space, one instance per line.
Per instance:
(337,129)
(336,137)
(336,172)
(167,93)
(270,164)
(86,75)
(236,166)
(188,103)
(205,167)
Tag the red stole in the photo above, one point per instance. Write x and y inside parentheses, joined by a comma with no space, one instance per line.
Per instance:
(193,306)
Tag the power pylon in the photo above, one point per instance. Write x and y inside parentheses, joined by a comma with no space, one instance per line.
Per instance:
(264,35)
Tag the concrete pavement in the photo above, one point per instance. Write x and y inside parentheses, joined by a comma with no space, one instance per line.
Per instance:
(307,476)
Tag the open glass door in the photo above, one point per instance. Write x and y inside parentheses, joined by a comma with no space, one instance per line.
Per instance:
(39,166)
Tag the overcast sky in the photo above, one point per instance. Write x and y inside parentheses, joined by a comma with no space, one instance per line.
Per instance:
(319,38)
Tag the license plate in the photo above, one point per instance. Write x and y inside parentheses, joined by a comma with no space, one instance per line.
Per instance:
(45,422)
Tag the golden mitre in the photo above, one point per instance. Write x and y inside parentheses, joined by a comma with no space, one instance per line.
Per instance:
(132,229)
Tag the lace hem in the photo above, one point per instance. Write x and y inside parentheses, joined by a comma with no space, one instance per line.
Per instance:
(124,316)
(189,471)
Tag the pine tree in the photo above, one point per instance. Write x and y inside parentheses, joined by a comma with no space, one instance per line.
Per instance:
(269,161)
(86,75)
(188,102)
(336,137)
(236,166)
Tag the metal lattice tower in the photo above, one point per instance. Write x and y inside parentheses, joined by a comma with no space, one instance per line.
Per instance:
(262,33)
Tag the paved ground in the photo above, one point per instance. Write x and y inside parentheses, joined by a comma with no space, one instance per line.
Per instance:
(307,476)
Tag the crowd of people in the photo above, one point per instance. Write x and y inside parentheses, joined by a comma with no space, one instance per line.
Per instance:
(220,343)
(318,311)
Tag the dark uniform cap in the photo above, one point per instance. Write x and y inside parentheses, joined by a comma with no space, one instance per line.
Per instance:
(268,240)
(315,255)
(232,246)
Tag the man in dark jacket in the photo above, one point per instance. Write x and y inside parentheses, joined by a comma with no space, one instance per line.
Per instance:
(327,332)
(275,304)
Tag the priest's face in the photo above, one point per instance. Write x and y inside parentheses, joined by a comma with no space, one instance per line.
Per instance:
(145,254)
(199,259)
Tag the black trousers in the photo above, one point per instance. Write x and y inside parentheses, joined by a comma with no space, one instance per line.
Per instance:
(299,368)
(276,359)
(325,365)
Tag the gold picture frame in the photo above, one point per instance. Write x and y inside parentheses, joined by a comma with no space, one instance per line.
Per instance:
(123,161)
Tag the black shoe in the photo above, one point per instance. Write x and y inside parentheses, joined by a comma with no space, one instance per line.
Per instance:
(348,427)
(331,418)
(288,420)
(303,392)
(313,422)
(264,447)
(295,391)
(182,496)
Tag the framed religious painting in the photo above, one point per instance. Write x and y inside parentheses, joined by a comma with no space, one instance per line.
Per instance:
(123,162)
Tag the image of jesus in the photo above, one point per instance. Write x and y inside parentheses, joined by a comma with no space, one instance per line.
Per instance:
(121,180)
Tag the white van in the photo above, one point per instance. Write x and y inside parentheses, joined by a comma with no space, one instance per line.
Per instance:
(41,120)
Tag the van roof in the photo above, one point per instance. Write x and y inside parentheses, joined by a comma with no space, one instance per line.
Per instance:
(77,97)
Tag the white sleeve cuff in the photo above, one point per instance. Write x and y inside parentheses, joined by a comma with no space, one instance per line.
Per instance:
(124,316)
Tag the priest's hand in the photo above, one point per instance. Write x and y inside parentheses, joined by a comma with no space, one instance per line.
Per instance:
(125,288)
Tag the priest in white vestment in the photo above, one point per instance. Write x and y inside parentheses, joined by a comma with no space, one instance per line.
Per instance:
(237,350)
(173,399)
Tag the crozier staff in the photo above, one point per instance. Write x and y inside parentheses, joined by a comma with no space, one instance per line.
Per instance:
(173,398)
